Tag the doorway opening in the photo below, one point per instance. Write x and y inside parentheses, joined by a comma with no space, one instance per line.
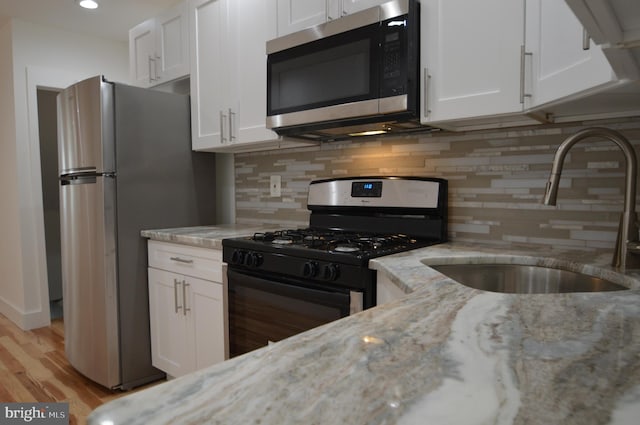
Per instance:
(48,130)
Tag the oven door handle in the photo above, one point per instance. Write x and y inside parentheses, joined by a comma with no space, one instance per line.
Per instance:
(323,297)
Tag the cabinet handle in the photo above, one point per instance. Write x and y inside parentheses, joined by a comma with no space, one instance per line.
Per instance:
(150,59)
(425,102)
(184,297)
(223,119)
(523,54)
(155,66)
(586,40)
(232,116)
(175,295)
(181,260)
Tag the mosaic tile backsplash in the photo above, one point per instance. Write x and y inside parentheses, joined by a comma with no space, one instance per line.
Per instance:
(496,181)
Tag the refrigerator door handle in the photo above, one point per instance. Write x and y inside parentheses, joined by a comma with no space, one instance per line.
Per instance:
(83,177)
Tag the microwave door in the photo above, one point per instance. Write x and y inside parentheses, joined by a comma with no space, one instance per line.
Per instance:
(327,79)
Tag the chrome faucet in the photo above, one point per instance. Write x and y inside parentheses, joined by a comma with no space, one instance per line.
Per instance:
(627,240)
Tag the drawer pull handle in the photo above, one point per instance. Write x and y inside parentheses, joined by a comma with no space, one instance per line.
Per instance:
(181,260)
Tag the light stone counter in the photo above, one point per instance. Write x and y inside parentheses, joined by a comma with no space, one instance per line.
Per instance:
(204,236)
(444,354)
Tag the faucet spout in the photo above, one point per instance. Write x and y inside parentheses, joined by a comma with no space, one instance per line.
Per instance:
(628,227)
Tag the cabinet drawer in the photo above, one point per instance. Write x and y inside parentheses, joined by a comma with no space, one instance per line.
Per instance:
(204,263)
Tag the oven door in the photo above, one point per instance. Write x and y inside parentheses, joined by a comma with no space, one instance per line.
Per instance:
(263,310)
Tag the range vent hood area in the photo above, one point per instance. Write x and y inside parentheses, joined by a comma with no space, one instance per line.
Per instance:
(376,126)
(615,26)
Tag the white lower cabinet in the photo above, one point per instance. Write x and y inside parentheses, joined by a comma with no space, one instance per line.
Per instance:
(187,312)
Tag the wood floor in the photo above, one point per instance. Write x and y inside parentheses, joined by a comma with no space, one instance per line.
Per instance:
(33,368)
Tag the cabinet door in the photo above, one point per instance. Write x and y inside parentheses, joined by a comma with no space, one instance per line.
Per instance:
(208,84)
(170,331)
(352,6)
(470,58)
(172,49)
(205,309)
(562,64)
(248,77)
(296,15)
(142,54)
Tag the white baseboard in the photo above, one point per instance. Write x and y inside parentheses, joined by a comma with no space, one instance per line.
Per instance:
(24,320)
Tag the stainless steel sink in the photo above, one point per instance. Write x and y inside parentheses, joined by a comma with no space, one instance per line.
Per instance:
(524,279)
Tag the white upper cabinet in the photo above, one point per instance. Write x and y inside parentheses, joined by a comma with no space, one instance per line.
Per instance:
(208,20)
(159,48)
(504,62)
(470,57)
(352,6)
(248,77)
(229,75)
(564,61)
(296,15)
(172,29)
(142,46)
(615,26)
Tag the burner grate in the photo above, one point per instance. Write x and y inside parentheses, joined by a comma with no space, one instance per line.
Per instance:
(335,240)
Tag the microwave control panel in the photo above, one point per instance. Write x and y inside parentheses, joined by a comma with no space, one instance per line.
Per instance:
(393,49)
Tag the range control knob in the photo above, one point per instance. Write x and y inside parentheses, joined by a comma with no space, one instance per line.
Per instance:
(254,259)
(310,269)
(237,257)
(330,272)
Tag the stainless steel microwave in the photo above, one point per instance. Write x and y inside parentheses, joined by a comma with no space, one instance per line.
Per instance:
(356,75)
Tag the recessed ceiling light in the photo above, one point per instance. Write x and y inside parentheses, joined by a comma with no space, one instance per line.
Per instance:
(88,4)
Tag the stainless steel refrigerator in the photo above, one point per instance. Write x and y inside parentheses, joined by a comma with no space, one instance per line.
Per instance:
(125,164)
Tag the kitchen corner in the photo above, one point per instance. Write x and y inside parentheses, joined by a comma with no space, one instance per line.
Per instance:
(444,353)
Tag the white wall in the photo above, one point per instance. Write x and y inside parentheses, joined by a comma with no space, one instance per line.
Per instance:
(41,57)
(10,256)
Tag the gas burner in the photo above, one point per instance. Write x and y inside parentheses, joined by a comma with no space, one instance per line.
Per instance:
(282,240)
(347,248)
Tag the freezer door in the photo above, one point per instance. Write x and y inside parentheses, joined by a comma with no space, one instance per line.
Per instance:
(85,127)
(87,224)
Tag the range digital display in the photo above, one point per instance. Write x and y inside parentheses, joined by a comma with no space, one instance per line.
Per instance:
(372,189)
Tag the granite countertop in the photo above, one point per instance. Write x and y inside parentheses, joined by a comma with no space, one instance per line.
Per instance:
(203,236)
(443,354)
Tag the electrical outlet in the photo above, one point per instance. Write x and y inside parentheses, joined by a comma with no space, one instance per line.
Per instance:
(274,185)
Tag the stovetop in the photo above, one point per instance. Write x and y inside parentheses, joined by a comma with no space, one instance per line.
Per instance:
(355,243)
(328,244)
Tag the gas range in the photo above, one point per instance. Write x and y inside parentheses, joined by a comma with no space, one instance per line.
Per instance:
(285,282)
(407,213)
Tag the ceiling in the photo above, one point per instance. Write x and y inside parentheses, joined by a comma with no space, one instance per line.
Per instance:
(112,20)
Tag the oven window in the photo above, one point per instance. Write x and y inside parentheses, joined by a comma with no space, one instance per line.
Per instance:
(263,311)
(323,73)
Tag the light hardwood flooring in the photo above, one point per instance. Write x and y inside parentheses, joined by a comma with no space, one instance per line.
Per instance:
(33,368)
